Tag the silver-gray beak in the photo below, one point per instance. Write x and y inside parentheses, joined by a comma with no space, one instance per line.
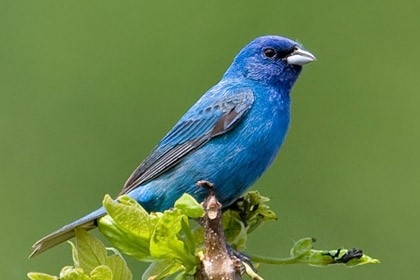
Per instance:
(300,57)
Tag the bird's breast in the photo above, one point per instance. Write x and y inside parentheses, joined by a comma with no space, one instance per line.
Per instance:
(238,158)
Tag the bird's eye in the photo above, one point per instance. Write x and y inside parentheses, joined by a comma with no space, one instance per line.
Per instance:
(269,52)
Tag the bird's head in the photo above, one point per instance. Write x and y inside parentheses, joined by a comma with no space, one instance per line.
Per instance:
(270,60)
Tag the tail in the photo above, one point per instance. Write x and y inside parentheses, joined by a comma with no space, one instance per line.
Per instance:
(88,222)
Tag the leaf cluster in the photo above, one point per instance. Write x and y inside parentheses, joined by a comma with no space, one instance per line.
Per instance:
(173,243)
(164,239)
(90,262)
(303,252)
(244,216)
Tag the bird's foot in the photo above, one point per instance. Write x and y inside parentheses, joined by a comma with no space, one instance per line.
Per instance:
(240,258)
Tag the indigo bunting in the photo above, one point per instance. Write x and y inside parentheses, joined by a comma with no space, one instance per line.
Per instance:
(229,137)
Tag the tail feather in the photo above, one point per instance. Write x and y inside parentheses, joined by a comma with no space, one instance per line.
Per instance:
(88,222)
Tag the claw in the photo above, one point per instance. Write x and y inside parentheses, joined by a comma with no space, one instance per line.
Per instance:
(241,257)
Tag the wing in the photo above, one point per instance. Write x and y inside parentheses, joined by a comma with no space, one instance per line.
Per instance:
(194,130)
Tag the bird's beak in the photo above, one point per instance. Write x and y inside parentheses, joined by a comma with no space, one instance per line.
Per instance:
(300,57)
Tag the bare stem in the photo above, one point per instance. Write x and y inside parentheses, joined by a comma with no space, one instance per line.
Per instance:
(216,262)
(277,261)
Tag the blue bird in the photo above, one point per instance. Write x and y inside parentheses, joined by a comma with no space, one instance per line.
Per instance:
(229,137)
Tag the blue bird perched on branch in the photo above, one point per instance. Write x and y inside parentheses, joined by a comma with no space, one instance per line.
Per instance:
(229,137)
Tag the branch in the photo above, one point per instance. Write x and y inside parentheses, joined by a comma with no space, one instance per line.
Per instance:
(172,245)
(215,263)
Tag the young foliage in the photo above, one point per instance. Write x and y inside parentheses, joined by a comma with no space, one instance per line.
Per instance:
(166,239)
(173,246)
(244,216)
(90,261)
(303,252)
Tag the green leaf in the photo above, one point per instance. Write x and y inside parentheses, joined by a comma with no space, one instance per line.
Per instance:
(89,246)
(129,216)
(235,230)
(128,227)
(198,233)
(101,272)
(251,273)
(181,276)
(189,238)
(302,252)
(119,268)
(74,254)
(91,252)
(302,246)
(161,269)
(244,216)
(41,276)
(70,273)
(165,243)
(348,257)
(126,242)
(189,206)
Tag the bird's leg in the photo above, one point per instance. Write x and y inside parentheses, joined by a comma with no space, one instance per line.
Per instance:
(241,258)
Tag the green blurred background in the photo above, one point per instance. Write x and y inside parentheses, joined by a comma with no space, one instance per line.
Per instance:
(89,87)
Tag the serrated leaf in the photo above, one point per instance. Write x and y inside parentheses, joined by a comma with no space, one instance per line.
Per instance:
(41,276)
(189,206)
(129,216)
(101,272)
(91,251)
(126,242)
(119,268)
(302,246)
(160,270)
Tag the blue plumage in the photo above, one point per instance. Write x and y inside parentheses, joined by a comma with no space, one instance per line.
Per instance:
(229,137)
